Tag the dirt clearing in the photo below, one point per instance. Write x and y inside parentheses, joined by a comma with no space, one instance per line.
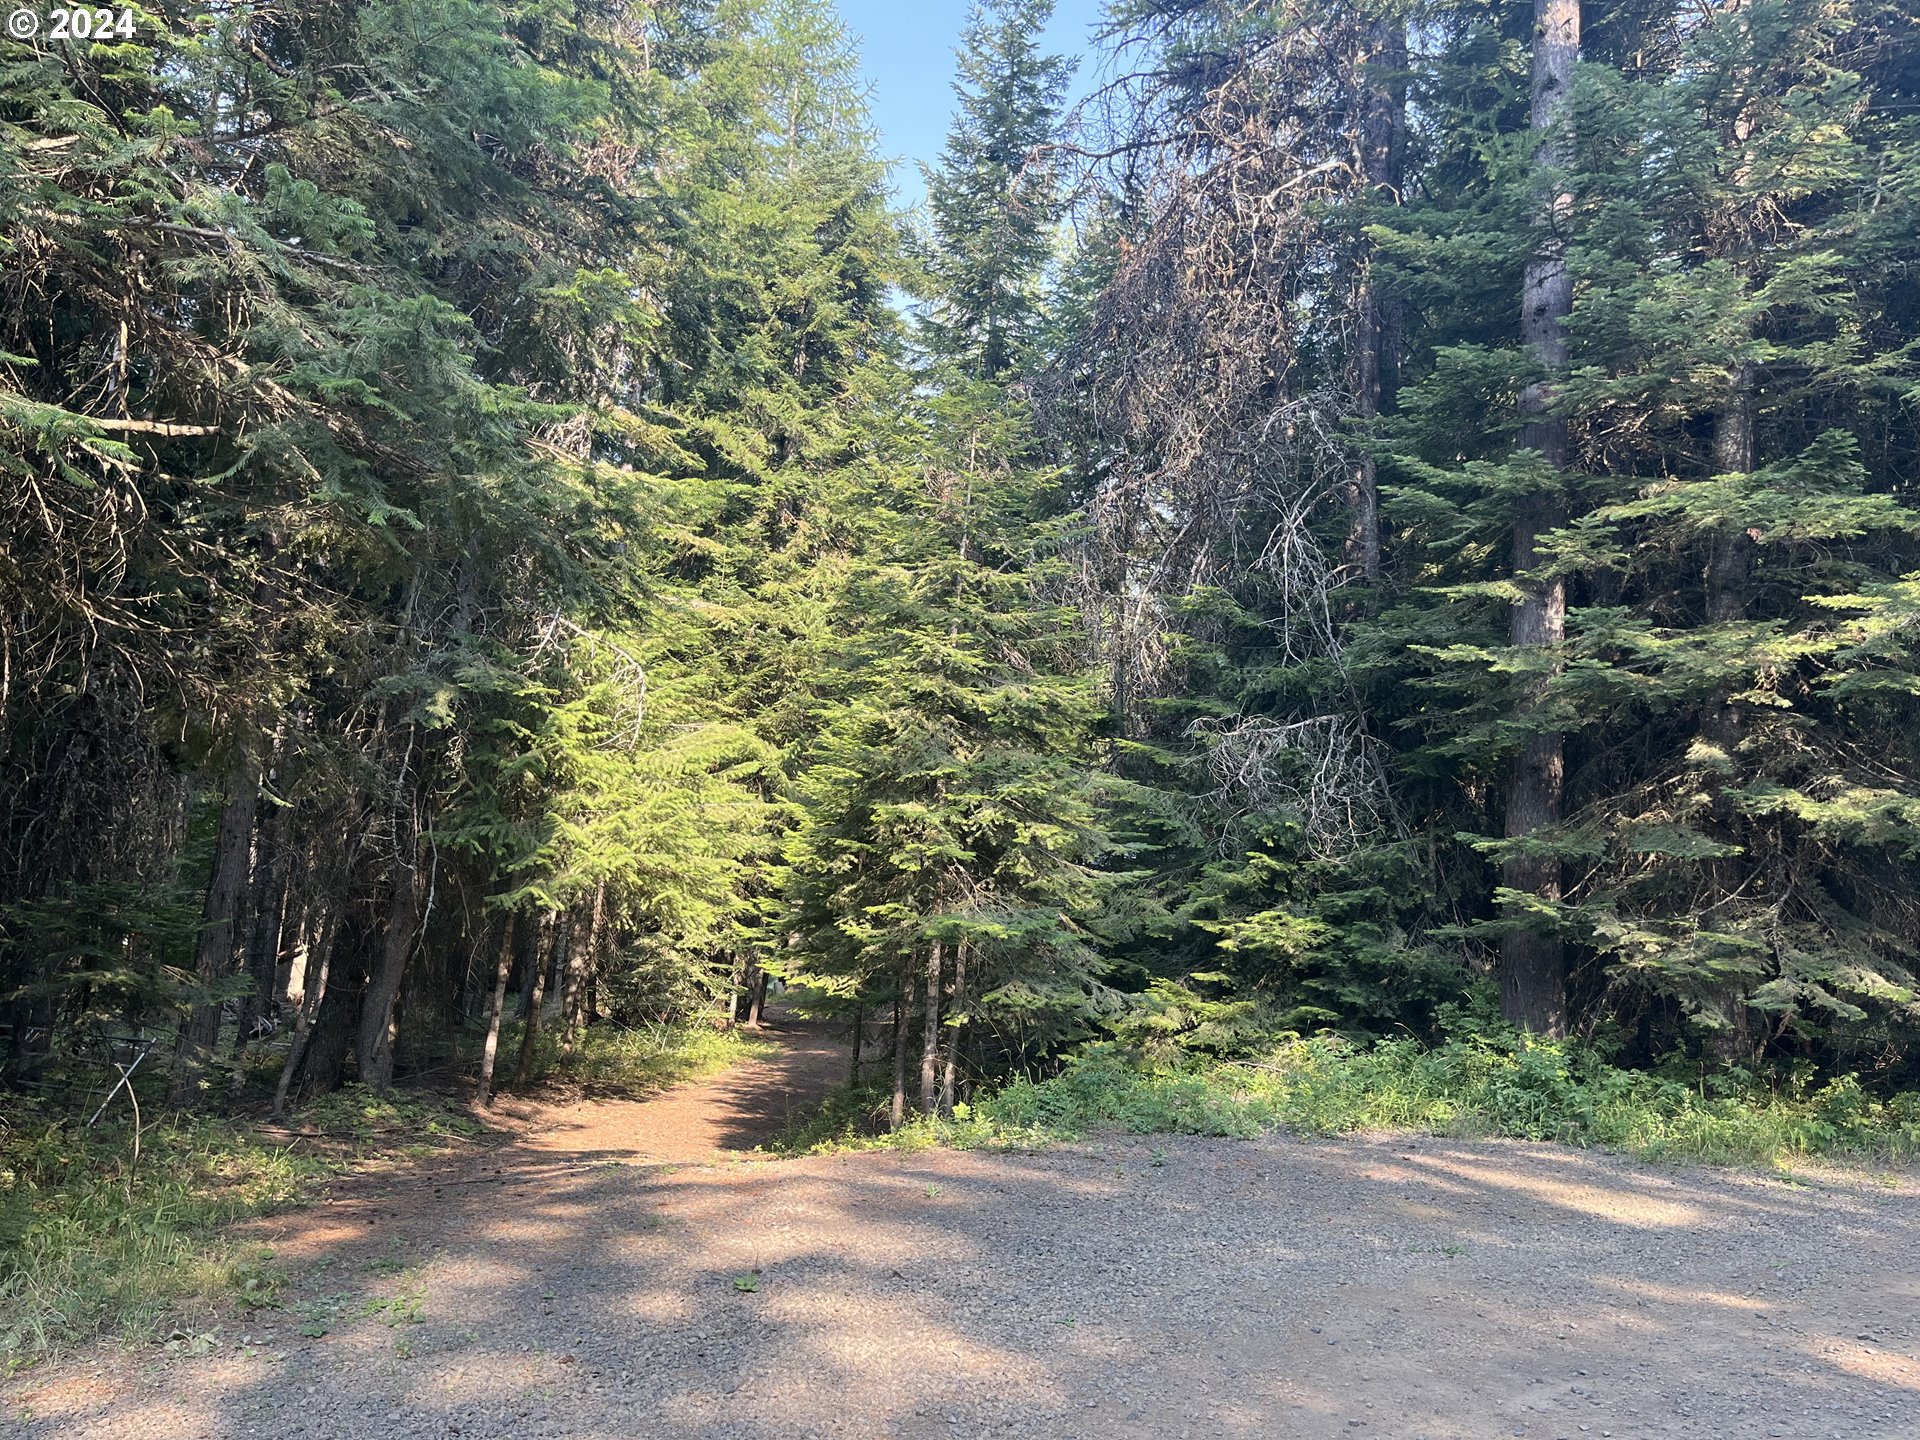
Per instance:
(1383,1286)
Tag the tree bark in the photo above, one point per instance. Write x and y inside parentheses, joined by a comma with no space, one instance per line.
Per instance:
(580,959)
(859,1033)
(758,1005)
(902,1002)
(1382,144)
(502,969)
(269,893)
(1725,581)
(314,994)
(373,1052)
(1733,454)
(955,1028)
(214,958)
(930,1039)
(530,1037)
(531,959)
(1533,966)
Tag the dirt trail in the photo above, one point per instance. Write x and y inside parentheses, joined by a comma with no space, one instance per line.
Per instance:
(736,1111)
(1119,1290)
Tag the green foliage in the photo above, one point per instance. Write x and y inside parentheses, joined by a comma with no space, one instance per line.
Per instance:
(1469,1088)
(995,192)
(471,492)
(633,1062)
(95,1241)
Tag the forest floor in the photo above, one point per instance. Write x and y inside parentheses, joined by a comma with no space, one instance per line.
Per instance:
(613,1268)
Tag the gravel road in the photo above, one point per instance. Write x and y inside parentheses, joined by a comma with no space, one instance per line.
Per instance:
(1379,1286)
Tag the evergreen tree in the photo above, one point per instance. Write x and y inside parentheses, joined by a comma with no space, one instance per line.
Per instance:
(995,193)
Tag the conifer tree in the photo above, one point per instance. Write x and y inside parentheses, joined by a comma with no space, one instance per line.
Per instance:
(995,193)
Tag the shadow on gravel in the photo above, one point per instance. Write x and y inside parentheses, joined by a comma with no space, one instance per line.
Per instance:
(1131,1288)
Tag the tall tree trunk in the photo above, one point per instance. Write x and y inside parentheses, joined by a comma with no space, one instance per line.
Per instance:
(736,985)
(1533,964)
(530,1037)
(902,1003)
(313,996)
(859,1034)
(930,1039)
(956,1027)
(1733,454)
(220,915)
(502,968)
(1725,582)
(1382,144)
(269,895)
(757,1006)
(579,961)
(373,1052)
(532,957)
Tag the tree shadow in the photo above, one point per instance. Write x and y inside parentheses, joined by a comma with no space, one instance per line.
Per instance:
(1388,1285)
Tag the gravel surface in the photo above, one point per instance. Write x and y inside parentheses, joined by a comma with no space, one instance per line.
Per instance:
(1381,1286)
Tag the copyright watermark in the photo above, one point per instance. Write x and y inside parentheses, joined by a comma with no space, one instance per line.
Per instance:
(72,23)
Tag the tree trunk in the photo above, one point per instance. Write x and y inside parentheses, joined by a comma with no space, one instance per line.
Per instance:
(295,907)
(955,1028)
(1725,581)
(859,1033)
(269,903)
(531,959)
(579,961)
(502,969)
(373,1051)
(759,1003)
(1382,144)
(1733,454)
(902,1002)
(530,1037)
(1533,966)
(930,1039)
(214,959)
(315,992)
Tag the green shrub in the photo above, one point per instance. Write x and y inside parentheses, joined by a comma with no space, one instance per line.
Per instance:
(1468,1087)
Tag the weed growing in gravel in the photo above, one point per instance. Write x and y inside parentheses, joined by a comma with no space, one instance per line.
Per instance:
(1475,1087)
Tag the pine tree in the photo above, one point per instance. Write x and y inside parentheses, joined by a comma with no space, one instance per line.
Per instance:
(995,193)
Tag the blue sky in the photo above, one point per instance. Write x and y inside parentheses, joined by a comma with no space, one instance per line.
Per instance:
(906,54)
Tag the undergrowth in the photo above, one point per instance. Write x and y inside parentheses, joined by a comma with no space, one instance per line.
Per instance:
(92,1242)
(1466,1088)
(629,1062)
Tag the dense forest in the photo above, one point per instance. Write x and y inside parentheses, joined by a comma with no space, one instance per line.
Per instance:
(1385,519)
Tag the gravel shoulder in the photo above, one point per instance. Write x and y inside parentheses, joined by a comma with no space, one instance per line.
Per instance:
(1382,1285)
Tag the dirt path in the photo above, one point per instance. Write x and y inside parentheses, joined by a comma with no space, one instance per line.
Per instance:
(1124,1290)
(737,1111)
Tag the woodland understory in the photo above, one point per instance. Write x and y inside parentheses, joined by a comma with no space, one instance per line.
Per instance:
(1350,518)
